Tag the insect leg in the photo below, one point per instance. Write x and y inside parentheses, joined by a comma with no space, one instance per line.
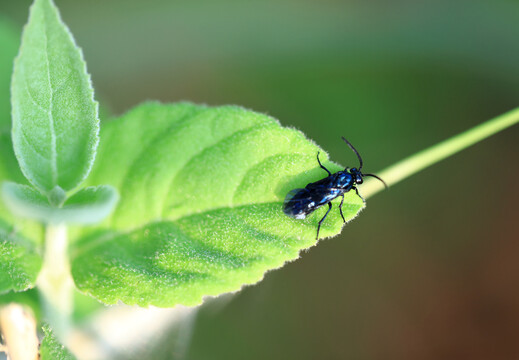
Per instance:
(340,208)
(357,191)
(321,165)
(321,221)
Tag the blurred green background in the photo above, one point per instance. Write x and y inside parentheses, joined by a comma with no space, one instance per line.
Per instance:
(431,268)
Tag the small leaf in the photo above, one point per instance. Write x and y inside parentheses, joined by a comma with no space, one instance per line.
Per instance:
(25,201)
(51,348)
(19,261)
(55,120)
(201,204)
(88,206)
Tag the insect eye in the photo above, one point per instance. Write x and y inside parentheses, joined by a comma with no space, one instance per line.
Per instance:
(359,179)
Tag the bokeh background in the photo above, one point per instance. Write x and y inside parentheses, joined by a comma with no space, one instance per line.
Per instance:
(430,270)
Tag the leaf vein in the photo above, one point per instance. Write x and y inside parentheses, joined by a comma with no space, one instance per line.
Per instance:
(193,156)
(31,97)
(63,83)
(53,159)
(252,167)
(31,145)
(175,127)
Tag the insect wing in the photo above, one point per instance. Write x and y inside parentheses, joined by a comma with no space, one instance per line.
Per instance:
(296,203)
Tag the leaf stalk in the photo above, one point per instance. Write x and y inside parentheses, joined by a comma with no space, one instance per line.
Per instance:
(55,282)
(425,158)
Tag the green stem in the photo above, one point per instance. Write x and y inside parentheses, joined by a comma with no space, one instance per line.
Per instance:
(55,281)
(438,152)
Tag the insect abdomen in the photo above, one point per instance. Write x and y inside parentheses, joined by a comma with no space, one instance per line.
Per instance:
(299,203)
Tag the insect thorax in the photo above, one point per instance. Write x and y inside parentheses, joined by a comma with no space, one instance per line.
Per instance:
(344,180)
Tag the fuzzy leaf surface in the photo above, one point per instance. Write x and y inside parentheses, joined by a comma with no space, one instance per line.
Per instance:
(20,263)
(51,348)
(55,121)
(201,204)
(10,171)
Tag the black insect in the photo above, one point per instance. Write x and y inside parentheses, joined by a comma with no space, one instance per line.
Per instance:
(301,202)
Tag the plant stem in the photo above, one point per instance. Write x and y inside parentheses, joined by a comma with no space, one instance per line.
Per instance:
(438,152)
(55,281)
(19,332)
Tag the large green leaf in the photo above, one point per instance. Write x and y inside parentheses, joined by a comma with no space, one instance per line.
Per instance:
(55,121)
(201,204)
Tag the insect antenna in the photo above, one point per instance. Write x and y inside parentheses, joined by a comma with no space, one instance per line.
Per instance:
(354,150)
(376,177)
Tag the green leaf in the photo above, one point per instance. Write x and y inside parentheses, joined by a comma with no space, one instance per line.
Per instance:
(88,206)
(9,43)
(201,204)
(55,120)
(9,170)
(51,348)
(19,261)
